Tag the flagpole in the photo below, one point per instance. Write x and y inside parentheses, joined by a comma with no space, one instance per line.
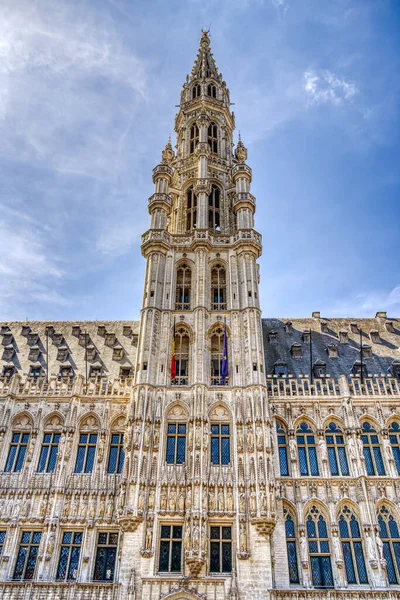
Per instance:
(361,357)
(311,367)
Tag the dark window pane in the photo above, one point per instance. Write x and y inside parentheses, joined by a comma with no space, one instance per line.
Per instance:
(316,571)
(327,571)
(332,461)
(165,531)
(121,460)
(214,557)
(348,562)
(292,559)
(113,538)
(73,565)
(359,554)
(10,458)
(112,459)
(225,451)
(343,528)
(215,451)
(283,461)
(43,458)
(368,461)
(176,556)
(313,461)
(343,461)
(214,533)
(164,556)
(79,459)
(20,458)
(52,459)
(226,557)
(378,461)
(177,532)
(180,457)
(170,458)
(63,563)
(303,461)
(90,459)
(31,563)
(391,573)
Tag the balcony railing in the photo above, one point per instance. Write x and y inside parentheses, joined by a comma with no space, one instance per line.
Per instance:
(59,591)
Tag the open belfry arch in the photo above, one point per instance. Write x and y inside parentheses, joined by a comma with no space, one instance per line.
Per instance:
(201,453)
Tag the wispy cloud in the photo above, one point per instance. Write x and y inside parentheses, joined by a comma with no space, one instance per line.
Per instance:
(367,304)
(328,88)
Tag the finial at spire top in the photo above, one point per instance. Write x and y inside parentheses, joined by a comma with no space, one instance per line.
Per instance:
(241,151)
(168,153)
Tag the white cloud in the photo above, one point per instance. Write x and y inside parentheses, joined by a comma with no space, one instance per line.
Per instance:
(367,304)
(328,88)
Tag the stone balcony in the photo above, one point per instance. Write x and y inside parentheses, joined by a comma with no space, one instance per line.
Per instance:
(334,594)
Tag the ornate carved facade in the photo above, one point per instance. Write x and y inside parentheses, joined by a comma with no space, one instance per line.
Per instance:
(273,473)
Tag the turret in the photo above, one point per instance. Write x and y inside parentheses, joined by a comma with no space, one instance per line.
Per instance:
(160,201)
(244,203)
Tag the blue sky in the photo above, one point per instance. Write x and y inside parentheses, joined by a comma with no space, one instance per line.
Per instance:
(88,90)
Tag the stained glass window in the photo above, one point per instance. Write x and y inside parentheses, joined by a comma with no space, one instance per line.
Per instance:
(68,562)
(183,284)
(220,444)
(106,554)
(282,449)
(336,450)
(176,443)
(220,549)
(291,548)
(394,437)
(353,554)
(48,452)
(86,453)
(319,550)
(170,559)
(390,536)
(2,539)
(218,288)
(372,450)
(307,451)
(116,455)
(27,555)
(17,451)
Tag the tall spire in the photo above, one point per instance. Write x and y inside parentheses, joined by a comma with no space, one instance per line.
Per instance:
(204,65)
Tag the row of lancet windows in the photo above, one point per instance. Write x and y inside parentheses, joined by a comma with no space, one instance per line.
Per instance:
(335,449)
(184,285)
(318,545)
(211,91)
(182,347)
(214,209)
(212,137)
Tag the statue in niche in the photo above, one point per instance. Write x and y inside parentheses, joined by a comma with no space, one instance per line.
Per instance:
(323,450)
(196,536)
(221,500)
(240,438)
(172,499)
(101,508)
(243,537)
(51,543)
(388,449)
(151,499)
(379,544)
(181,501)
(149,536)
(242,502)
(352,449)
(360,447)
(146,436)
(140,501)
(92,507)
(253,502)
(336,547)
(250,438)
(293,449)
(211,500)
(110,508)
(229,501)
(163,499)
(74,507)
(371,552)
(67,503)
(303,547)
(259,436)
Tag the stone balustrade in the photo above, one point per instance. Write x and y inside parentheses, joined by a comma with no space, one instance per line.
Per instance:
(333,594)
(59,591)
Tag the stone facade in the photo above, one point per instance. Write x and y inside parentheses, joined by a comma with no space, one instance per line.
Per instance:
(120,482)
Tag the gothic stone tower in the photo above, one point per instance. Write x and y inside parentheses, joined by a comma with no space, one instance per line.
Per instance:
(205,473)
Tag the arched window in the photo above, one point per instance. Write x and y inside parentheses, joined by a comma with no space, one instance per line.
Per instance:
(217,347)
(116,455)
(183,283)
(353,554)
(214,208)
(191,209)
(291,547)
(389,534)
(196,91)
(282,449)
(213,137)
(211,90)
(336,450)
(176,443)
(194,138)
(319,550)
(372,450)
(220,444)
(181,356)
(218,288)
(307,450)
(394,437)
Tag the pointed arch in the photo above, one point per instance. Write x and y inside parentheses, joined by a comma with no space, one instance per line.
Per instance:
(214,208)
(21,425)
(372,448)
(389,535)
(394,441)
(177,409)
(196,91)
(182,338)
(220,416)
(118,422)
(216,335)
(194,136)
(212,137)
(88,427)
(22,420)
(52,426)
(183,287)
(317,523)
(306,448)
(336,449)
(218,285)
(289,515)
(351,543)
(89,421)
(282,439)
(54,420)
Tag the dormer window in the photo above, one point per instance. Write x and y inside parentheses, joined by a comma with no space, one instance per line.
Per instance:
(196,91)
(25,330)
(8,372)
(84,338)
(110,339)
(66,372)
(289,327)
(306,336)
(76,330)
(8,353)
(354,327)
(389,326)
(58,338)
(34,353)
(62,353)
(91,352)
(33,338)
(118,353)
(211,90)
(125,372)
(396,369)
(127,331)
(194,138)
(319,369)
(296,350)
(356,369)
(101,330)
(135,340)
(35,371)
(8,338)
(95,371)
(343,336)
(332,350)
(213,137)
(280,368)
(324,326)
(375,337)
(366,351)
(4,329)
(272,337)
